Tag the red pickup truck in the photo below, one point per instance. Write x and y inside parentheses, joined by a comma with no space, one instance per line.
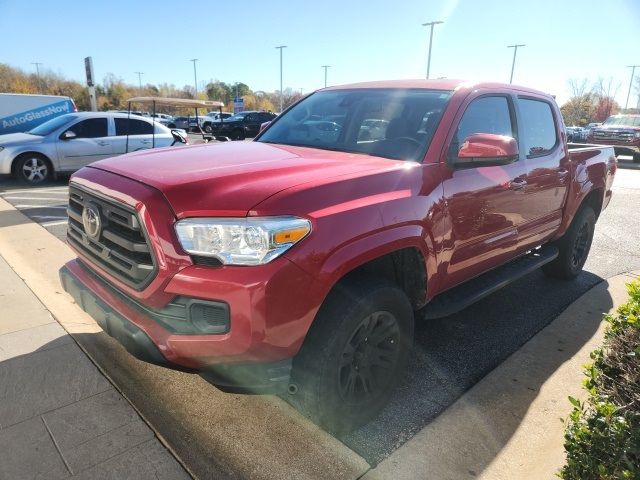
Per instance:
(295,262)
(620,131)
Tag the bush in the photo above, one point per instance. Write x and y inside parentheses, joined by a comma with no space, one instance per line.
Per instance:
(602,437)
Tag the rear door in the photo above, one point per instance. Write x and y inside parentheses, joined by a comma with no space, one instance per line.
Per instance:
(91,143)
(484,203)
(547,163)
(140,135)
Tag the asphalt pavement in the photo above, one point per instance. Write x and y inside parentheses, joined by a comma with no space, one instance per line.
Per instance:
(452,353)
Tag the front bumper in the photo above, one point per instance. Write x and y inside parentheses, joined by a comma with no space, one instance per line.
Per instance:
(147,340)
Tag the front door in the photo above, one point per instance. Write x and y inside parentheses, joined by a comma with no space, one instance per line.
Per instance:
(90,143)
(484,203)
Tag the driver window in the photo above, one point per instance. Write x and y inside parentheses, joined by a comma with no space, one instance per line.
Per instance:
(90,128)
(483,115)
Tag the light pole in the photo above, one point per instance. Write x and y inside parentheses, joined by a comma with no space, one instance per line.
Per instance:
(280,47)
(430,24)
(195,76)
(325,74)
(633,74)
(37,64)
(513,64)
(139,79)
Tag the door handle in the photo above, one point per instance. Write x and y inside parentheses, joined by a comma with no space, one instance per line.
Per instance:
(518,184)
(146,141)
(102,143)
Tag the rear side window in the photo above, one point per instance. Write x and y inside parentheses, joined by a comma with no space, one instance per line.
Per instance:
(537,127)
(133,126)
(91,128)
(483,115)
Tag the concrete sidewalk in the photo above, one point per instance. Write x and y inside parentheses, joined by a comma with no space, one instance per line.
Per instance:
(509,425)
(59,416)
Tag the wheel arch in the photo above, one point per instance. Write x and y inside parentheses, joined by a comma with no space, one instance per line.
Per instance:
(45,157)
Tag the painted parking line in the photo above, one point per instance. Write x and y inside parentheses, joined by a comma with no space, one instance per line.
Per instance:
(33,191)
(40,199)
(48,217)
(53,223)
(57,207)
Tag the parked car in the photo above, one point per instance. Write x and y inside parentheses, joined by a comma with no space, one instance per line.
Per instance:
(576,134)
(162,118)
(20,113)
(207,122)
(242,125)
(620,131)
(69,142)
(179,122)
(294,263)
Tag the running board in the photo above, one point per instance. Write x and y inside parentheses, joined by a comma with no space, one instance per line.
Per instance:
(468,293)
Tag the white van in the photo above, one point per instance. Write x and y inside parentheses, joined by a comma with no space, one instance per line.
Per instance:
(21,113)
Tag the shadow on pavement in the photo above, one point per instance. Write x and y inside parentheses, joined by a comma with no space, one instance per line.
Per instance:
(454,353)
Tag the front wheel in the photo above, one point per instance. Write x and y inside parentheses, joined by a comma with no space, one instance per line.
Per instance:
(207,128)
(32,169)
(574,246)
(355,354)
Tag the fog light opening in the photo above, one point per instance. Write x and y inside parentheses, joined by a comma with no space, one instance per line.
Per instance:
(292,389)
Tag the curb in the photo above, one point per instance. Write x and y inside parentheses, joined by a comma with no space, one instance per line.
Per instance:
(508,425)
(256,428)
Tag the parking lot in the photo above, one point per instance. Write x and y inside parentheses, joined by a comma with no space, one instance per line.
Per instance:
(452,354)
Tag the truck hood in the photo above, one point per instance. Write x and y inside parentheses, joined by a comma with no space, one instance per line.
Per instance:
(11,139)
(230,178)
(618,127)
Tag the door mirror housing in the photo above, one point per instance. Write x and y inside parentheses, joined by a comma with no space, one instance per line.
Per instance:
(264,125)
(486,150)
(68,135)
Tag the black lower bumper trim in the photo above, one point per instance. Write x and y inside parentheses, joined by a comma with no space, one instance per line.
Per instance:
(132,338)
(254,378)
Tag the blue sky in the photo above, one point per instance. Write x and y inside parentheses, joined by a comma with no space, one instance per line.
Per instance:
(361,40)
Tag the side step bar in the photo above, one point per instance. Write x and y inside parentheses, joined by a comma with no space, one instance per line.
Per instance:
(460,297)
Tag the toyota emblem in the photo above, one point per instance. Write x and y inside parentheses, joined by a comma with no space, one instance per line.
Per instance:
(91,221)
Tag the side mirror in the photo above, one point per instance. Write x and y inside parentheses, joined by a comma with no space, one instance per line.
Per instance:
(486,150)
(68,135)
(263,126)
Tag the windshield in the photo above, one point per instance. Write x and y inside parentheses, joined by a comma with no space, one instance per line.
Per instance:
(390,123)
(237,116)
(47,127)
(626,120)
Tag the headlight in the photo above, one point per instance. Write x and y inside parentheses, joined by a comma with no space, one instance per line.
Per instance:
(241,241)
(636,135)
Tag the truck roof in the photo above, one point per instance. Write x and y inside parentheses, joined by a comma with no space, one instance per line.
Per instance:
(438,84)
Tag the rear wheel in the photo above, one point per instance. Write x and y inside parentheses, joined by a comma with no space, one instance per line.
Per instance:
(574,246)
(32,169)
(354,355)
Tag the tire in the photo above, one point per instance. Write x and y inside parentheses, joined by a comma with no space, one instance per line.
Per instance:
(32,169)
(328,375)
(207,128)
(636,158)
(238,134)
(574,246)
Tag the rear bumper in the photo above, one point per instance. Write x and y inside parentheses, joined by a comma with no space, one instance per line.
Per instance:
(115,317)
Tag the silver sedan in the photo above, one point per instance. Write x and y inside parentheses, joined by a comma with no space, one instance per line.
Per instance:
(69,142)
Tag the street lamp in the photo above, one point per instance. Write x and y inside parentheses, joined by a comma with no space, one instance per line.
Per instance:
(430,24)
(37,64)
(139,79)
(195,76)
(280,47)
(513,64)
(633,73)
(325,74)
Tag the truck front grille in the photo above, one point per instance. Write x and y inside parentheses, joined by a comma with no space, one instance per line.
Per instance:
(610,134)
(115,240)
